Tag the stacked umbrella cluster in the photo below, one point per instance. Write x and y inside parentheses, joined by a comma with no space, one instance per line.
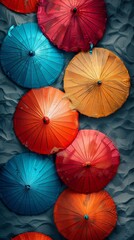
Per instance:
(96,84)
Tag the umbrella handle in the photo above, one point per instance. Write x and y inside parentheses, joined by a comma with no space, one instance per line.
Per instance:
(10,29)
(91,48)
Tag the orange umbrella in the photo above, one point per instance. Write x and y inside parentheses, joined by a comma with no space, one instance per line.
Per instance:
(85,217)
(22,6)
(44,121)
(31,236)
(98,83)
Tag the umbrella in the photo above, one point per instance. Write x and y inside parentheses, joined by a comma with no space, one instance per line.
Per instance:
(98,83)
(22,6)
(89,163)
(85,217)
(29,184)
(44,121)
(72,25)
(31,236)
(28,58)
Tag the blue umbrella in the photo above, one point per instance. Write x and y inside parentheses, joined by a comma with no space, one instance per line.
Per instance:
(29,184)
(28,58)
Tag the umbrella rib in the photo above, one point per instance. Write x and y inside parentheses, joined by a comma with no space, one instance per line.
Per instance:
(26,73)
(83,155)
(26,35)
(92,23)
(119,90)
(50,60)
(50,73)
(34,113)
(106,90)
(41,44)
(15,48)
(85,93)
(85,65)
(36,41)
(95,233)
(65,127)
(70,225)
(63,207)
(35,67)
(54,133)
(37,136)
(63,2)
(99,227)
(41,113)
(62,17)
(95,156)
(108,72)
(107,98)
(15,63)
(76,152)
(21,42)
(37,73)
(23,133)
(45,173)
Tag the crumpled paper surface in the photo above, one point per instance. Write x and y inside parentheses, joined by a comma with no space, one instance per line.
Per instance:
(119,37)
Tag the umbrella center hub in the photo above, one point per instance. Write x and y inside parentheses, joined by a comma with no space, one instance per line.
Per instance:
(27,187)
(99,82)
(86,217)
(46,120)
(74,10)
(31,53)
(87,165)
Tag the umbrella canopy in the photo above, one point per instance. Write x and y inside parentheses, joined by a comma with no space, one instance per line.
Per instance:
(22,6)
(29,184)
(28,58)
(44,121)
(85,217)
(89,163)
(31,236)
(72,25)
(98,83)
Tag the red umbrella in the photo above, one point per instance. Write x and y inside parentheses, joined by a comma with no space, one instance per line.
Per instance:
(22,6)
(44,121)
(31,236)
(89,163)
(72,25)
(85,216)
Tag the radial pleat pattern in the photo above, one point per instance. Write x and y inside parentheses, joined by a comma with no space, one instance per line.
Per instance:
(44,121)
(85,217)
(29,184)
(72,25)
(31,236)
(29,59)
(98,83)
(89,163)
(21,6)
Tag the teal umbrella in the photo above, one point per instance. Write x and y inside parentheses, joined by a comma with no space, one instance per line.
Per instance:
(28,58)
(29,184)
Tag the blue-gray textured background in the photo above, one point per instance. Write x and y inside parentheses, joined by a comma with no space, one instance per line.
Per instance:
(119,37)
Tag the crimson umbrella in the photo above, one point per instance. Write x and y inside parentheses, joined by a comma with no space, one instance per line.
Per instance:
(44,121)
(22,6)
(89,163)
(72,25)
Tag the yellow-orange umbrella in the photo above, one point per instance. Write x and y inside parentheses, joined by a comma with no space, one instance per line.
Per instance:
(98,83)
